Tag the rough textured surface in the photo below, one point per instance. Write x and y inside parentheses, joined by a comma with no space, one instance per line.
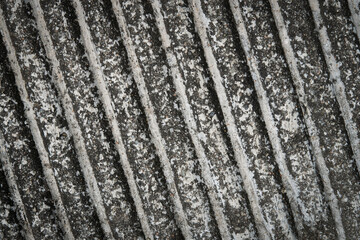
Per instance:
(179,119)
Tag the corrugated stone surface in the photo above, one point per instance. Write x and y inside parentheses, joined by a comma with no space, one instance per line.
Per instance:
(179,119)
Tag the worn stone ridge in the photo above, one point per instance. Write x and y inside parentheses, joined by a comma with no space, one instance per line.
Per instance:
(179,119)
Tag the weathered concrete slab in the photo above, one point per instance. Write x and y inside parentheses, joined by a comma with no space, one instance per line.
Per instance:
(179,119)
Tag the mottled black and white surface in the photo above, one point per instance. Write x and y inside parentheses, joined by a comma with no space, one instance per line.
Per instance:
(180,119)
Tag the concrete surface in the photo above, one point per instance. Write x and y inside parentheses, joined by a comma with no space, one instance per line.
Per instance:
(179,119)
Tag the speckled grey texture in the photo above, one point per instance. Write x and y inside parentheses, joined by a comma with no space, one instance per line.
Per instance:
(179,119)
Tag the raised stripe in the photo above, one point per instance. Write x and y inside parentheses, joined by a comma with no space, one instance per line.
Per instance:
(30,115)
(71,119)
(289,182)
(190,121)
(261,224)
(313,131)
(11,180)
(106,100)
(354,6)
(338,85)
(153,125)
